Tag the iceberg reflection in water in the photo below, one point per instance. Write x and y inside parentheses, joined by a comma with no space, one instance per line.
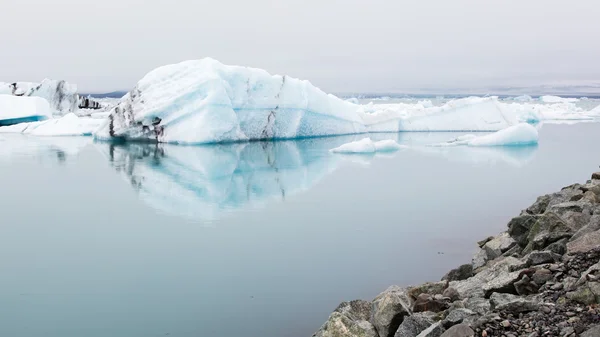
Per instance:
(205,182)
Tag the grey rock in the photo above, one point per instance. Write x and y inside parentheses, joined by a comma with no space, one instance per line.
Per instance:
(413,325)
(592,226)
(536,257)
(458,316)
(452,294)
(582,295)
(473,287)
(548,229)
(542,276)
(498,245)
(594,331)
(539,206)
(512,303)
(502,284)
(461,273)
(519,227)
(592,270)
(389,309)
(478,305)
(480,259)
(525,286)
(584,243)
(350,319)
(574,213)
(426,302)
(484,241)
(559,247)
(595,289)
(435,330)
(596,176)
(460,330)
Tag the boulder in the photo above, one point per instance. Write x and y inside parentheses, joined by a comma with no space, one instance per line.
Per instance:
(389,310)
(542,276)
(431,288)
(596,176)
(582,295)
(584,243)
(536,257)
(504,283)
(575,214)
(461,330)
(350,319)
(451,294)
(414,324)
(426,302)
(539,206)
(559,247)
(525,286)
(519,227)
(458,316)
(512,303)
(479,260)
(548,229)
(478,305)
(461,273)
(593,331)
(592,226)
(497,246)
(484,241)
(595,289)
(435,330)
(473,287)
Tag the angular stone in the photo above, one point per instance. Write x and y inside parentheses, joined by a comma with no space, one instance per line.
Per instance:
(519,227)
(512,303)
(460,330)
(548,229)
(479,305)
(389,310)
(536,257)
(574,213)
(502,284)
(595,288)
(585,243)
(435,330)
(350,319)
(426,302)
(484,241)
(461,273)
(480,259)
(458,316)
(473,286)
(431,288)
(582,295)
(539,206)
(452,294)
(542,276)
(414,324)
(592,226)
(497,246)
(559,247)
(593,331)
(525,286)
(596,176)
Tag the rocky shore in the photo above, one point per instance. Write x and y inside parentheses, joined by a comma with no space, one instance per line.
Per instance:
(539,278)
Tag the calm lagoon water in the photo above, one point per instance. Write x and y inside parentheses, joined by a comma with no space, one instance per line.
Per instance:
(257,239)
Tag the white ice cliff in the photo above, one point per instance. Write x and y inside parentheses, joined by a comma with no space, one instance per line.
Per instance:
(61,95)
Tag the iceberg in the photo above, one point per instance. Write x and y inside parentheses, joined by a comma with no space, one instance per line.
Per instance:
(68,125)
(14,110)
(204,101)
(61,96)
(557,99)
(366,145)
(518,135)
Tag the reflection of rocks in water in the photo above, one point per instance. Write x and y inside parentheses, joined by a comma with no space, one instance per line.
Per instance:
(202,182)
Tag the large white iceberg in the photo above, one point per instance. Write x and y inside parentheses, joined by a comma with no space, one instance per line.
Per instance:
(14,109)
(205,101)
(517,135)
(61,96)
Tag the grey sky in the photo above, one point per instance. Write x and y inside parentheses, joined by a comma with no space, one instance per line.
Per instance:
(350,45)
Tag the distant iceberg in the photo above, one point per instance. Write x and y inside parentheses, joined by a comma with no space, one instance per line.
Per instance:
(205,101)
(15,110)
(61,96)
(366,145)
(519,135)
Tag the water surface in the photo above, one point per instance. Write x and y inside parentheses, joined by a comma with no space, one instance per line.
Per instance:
(253,239)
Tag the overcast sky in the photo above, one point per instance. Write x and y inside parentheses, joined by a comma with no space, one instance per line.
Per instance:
(340,46)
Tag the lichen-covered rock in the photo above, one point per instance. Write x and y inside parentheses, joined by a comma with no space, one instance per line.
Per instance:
(461,273)
(512,303)
(479,260)
(575,214)
(539,206)
(504,283)
(389,310)
(461,330)
(582,295)
(431,288)
(473,287)
(594,331)
(519,227)
(479,305)
(540,257)
(414,324)
(350,319)
(548,229)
